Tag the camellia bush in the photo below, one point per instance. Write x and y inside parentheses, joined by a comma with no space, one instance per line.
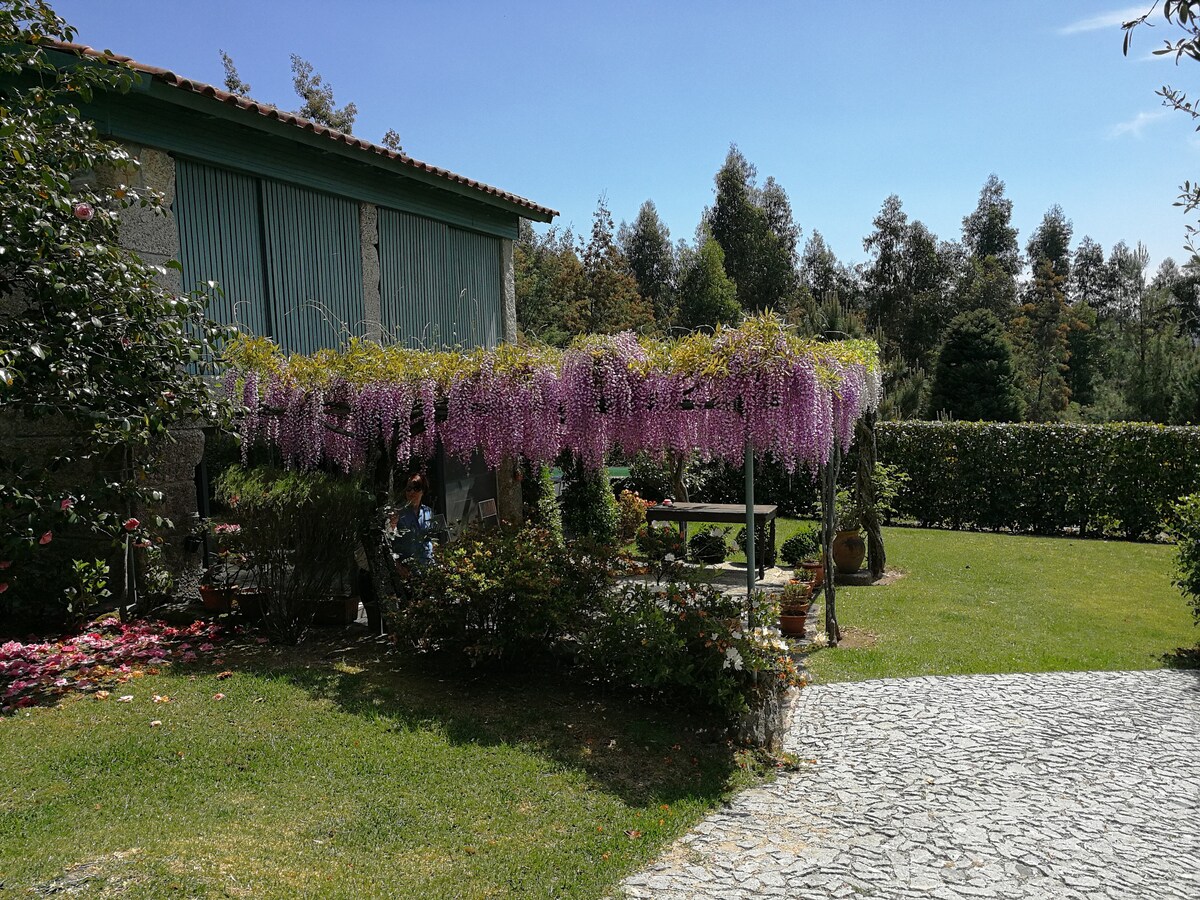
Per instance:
(91,344)
(1118,479)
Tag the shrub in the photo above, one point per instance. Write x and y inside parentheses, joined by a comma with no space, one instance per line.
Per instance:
(1101,479)
(298,532)
(764,552)
(541,505)
(1186,531)
(708,545)
(631,515)
(804,544)
(500,595)
(589,508)
(686,642)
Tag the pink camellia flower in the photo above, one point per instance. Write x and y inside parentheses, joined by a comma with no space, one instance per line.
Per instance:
(46,538)
(205,648)
(66,504)
(3,586)
(126,343)
(84,212)
(131,524)
(5,563)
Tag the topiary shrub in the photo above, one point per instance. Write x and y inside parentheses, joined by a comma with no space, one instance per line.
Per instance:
(540,502)
(804,544)
(589,509)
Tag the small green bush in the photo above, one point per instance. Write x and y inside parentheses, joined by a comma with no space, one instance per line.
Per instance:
(631,515)
(804,544)
(541,505)
(1186,531)
(708,545)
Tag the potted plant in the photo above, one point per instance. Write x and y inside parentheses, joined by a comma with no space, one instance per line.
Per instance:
(802,551)
(848,548)
(220,586)
(794,603)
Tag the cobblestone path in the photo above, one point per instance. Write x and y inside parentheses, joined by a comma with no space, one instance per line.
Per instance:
(1063,785)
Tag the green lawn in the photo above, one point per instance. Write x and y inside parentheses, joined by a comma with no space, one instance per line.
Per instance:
(348,774)
(974,602)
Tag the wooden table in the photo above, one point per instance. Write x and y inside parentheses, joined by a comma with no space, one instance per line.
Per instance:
(722,512)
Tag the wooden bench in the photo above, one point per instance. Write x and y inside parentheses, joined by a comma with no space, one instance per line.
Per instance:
(734,513)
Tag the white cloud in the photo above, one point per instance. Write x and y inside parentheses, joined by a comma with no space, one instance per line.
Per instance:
(1137,124)
(1114,19)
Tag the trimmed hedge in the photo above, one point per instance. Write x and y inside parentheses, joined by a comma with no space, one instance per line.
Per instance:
(1118,479)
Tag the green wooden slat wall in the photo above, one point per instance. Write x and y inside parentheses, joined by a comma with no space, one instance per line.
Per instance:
(288,259)
(439,286)
(314,265)
(220,240)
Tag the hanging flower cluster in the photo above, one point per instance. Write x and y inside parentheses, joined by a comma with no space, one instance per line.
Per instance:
(758,383)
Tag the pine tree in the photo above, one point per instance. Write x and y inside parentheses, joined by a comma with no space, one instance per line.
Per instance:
(975,378)
(707,296)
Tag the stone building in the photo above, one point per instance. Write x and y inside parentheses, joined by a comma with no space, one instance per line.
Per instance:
(313,236)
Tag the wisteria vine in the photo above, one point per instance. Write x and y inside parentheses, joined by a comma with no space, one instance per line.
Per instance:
(758,383)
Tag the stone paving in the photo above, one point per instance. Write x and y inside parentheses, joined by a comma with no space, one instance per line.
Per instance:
(1063,785)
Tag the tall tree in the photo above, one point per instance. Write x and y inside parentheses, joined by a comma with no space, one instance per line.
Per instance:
(1087,281)
(611,301)
(1051,242)
(233,81)
(975,378)
(755,230)
(988,231)
(884,276)
(1043,328)
(550,283)
(318,98)
(647,248)
(707,296)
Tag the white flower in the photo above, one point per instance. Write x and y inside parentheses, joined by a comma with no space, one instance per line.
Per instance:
(733,658)
(670,557)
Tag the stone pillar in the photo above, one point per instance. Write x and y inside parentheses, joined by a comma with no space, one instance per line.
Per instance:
(368,229)
(508,282)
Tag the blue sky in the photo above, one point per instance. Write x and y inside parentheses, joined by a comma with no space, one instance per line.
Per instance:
(843,103)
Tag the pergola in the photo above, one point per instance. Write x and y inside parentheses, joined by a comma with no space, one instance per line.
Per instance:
(734,394)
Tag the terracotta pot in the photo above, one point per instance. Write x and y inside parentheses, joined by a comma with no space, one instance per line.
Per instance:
(817,570)
(793,624)
(849,551)
(215,599)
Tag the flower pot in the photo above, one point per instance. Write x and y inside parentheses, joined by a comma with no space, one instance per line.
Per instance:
(792,622)
(817,570)
(217,599)
(849,551)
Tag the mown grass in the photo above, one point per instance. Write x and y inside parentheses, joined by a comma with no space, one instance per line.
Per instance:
(349,774)
(976,603)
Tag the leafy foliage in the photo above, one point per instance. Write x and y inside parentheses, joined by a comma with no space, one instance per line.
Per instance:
(318,98)
(686,642)
(91,343)
(1099,479)
(589,509)
(299,532)
(500,595)
(1185,528)
(803,545)
(709,545)
(975,377)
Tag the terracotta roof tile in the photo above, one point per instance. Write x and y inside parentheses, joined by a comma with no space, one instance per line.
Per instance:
(272,112)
